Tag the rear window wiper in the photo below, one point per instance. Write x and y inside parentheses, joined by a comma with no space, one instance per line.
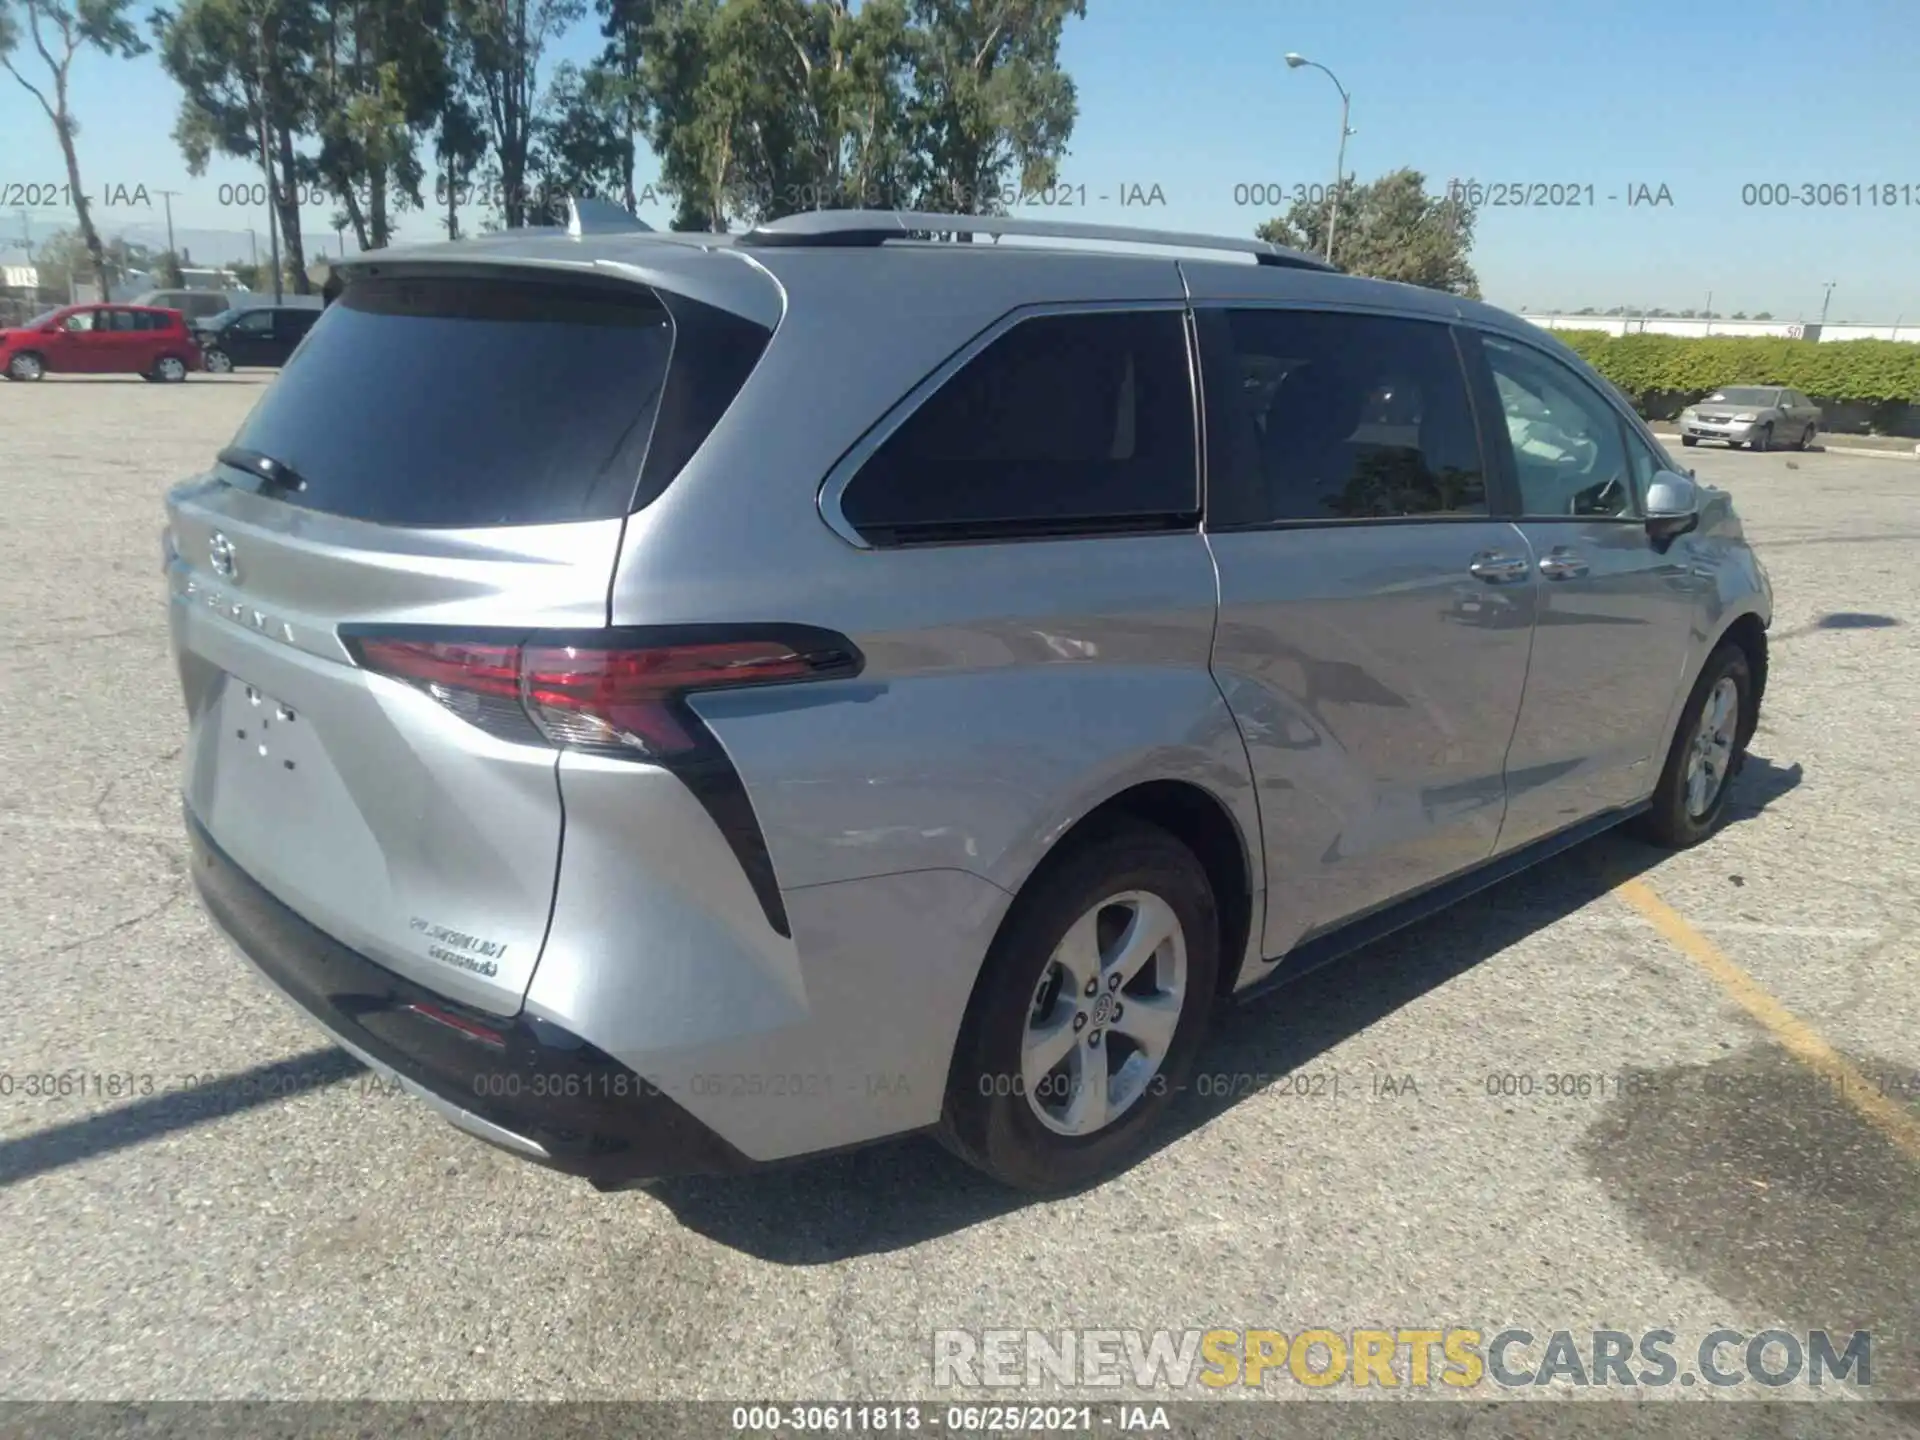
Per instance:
(271,472)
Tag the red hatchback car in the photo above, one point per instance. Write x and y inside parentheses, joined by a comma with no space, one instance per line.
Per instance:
(100,340)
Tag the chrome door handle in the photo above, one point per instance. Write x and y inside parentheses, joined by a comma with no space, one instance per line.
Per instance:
(1497,569)
(1561,563)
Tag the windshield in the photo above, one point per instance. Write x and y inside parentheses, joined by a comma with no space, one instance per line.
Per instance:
(1743,395)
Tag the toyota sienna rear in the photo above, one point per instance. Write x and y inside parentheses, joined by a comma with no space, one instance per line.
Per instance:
(680,703)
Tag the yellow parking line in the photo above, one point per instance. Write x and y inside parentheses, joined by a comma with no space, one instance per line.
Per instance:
(1797,1037)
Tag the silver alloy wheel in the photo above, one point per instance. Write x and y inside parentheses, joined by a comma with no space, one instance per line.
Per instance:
(171,368)
(1104,1013)
(218,363)
(1711,753)
(26,367)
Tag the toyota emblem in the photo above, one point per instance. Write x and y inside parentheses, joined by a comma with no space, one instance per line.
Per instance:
(220,555)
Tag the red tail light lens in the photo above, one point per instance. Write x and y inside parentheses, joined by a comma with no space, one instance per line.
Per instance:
(456,1022)
(610,696)
(483,669)
(581,696)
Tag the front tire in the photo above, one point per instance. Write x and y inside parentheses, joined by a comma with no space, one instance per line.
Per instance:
(1806,438)
(1689,441)
(26,366)
(1707,750)
(1092,1004)
(218,362)
(1764,440)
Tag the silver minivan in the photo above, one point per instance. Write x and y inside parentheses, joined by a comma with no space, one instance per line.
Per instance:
(680,702)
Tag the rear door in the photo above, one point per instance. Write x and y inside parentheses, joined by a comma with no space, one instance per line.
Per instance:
(120,344)
(154,330)
(290,327)
(249,339)
(1375,614)
(466,452)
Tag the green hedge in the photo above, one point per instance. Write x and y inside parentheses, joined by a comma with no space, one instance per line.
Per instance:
(1846,370)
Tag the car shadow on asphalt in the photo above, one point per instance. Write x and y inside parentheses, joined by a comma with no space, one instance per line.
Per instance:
(896,1194)
(899,1193)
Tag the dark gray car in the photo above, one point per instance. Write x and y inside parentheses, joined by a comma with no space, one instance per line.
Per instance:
(681,702)
(1760,416)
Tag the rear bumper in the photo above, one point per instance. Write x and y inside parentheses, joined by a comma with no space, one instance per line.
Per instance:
(534,1089)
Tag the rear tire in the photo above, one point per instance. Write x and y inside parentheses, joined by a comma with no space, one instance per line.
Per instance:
(169,369)
(1708,747)
(26,366)
(1051,1135)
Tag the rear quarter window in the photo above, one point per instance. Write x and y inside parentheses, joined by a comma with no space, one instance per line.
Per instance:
(1067,424)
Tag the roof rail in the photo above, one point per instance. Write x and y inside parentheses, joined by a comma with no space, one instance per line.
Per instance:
(601,217)
(829,228)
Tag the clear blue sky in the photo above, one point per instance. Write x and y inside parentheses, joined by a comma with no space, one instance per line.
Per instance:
(1701,96)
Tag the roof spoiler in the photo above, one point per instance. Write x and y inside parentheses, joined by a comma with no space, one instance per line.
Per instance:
(601,217)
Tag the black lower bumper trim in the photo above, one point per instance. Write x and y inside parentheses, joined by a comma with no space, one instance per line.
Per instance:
(592,1115)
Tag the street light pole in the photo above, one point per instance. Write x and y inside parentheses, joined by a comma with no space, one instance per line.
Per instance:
(1294,62)
(1828,301)
(167,196)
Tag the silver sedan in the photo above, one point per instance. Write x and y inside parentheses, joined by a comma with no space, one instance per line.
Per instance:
(1757,415)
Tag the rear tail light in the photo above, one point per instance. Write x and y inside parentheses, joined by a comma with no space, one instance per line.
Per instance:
(619,692)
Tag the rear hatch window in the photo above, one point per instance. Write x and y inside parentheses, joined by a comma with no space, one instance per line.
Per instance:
(454,401)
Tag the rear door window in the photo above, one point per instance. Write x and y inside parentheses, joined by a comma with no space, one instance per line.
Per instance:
(1327,416)
(1068,424)
(442,401)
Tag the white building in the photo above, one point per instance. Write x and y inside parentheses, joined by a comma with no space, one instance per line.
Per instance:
(1669,325)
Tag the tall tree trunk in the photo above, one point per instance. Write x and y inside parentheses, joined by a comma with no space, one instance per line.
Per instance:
(350,201)
(630,84)
(377,206)
(627,158)
(287,199)
(63,125)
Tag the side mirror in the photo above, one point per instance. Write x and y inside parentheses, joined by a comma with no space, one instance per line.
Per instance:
(1673,505)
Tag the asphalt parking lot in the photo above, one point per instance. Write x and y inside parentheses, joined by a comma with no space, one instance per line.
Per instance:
(217,1239)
